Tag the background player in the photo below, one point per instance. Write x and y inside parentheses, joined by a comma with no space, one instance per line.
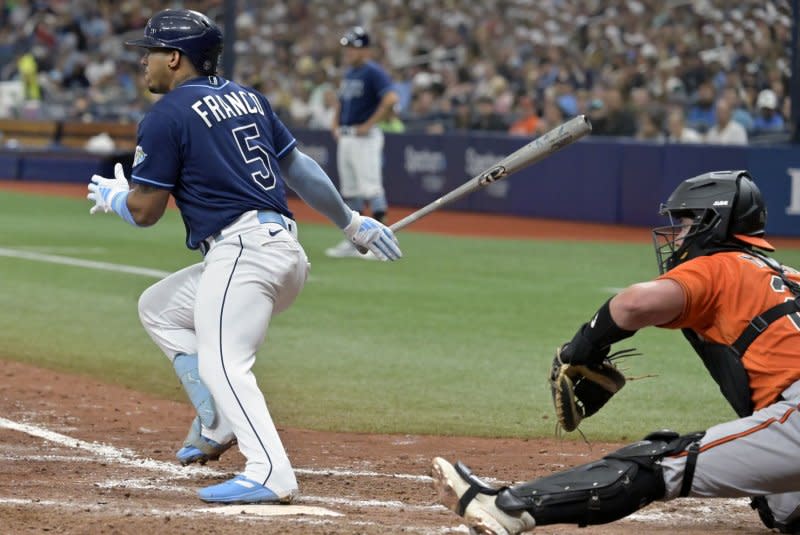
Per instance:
(365,98)
(714,282)
(219,149)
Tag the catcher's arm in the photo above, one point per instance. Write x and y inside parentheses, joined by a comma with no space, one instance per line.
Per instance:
(591,343)
(583,377)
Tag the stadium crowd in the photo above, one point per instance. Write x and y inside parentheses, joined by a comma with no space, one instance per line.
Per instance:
(661,70)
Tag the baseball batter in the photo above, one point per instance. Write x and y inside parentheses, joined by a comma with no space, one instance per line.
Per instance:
(365,98)
(740,311)
(219,149)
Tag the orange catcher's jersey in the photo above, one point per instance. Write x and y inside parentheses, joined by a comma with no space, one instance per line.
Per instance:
(723,293)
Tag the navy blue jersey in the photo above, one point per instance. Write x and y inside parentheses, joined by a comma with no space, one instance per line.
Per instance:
(361,92)
(216,146)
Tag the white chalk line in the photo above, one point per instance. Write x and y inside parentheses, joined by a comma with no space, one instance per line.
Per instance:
(90,264)
(110,453)
(80,262)
(353,473)
(696,514)
(62,249)
(129,458)
(241,513)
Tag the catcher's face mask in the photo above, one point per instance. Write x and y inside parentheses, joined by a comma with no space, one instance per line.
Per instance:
(675,242)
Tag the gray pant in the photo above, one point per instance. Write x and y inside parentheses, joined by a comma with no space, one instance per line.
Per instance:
(754,456)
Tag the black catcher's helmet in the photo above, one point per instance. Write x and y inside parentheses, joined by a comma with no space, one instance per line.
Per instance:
(190,32)
(726,209)
(356,37)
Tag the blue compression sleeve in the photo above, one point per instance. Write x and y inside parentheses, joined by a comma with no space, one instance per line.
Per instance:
(120,205)
(312,184)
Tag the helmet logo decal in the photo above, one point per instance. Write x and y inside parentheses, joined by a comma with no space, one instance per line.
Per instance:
(720,203)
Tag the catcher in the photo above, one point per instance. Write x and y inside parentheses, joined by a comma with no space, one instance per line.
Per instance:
(740,311)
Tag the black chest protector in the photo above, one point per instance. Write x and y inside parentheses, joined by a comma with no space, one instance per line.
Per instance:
(724,362)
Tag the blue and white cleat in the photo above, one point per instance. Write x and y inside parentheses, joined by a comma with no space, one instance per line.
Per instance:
(241,490)
(199,449)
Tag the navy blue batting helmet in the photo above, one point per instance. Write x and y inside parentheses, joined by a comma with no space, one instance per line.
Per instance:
(356,37)
(190,32)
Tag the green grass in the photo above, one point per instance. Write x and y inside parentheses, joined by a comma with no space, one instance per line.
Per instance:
(457,338)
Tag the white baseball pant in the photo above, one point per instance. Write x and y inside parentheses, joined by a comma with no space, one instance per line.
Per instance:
(360,164)
(220,309)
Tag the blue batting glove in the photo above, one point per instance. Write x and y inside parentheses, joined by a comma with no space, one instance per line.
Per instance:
(370,234)
(103,190)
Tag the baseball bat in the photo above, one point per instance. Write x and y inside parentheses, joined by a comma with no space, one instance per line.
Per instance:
(538,149)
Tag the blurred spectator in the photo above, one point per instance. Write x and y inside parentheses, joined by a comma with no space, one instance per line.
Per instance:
(392,123)
(322,113)
(651,125)
(552,116)
(426,114)
(462,113)
(29,74)
(677,131)
(76,78)
(658,53)
(486,118)
(726,131)
(768,119)
(617,118)
(740,111)
(701,114)
(299,107)
(526,118)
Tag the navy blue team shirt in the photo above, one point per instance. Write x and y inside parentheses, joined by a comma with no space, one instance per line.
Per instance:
(215,145)
(361,91)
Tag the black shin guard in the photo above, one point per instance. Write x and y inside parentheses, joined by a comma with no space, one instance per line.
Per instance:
(759,503)
(599,492)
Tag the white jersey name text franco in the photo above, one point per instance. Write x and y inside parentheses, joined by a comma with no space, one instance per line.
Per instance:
(227,105)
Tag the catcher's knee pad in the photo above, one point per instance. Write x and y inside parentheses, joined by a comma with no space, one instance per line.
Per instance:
(602,491)
(188,372)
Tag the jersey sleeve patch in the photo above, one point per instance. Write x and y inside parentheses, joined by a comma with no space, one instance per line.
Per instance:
(139,155)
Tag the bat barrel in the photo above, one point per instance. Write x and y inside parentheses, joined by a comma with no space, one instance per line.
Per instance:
(538,149)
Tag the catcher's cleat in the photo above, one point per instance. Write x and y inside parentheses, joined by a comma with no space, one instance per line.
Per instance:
(468,496)
(199,449)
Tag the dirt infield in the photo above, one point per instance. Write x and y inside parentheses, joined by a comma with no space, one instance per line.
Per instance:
(82,456)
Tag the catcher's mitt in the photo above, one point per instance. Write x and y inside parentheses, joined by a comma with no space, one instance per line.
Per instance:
(580,390)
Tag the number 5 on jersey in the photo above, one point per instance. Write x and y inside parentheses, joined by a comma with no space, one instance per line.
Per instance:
(255,154)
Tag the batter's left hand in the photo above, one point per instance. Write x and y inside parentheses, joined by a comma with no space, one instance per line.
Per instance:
(103,190)
(374,236)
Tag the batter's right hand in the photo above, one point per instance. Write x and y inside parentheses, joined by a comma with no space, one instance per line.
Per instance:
(371,234)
